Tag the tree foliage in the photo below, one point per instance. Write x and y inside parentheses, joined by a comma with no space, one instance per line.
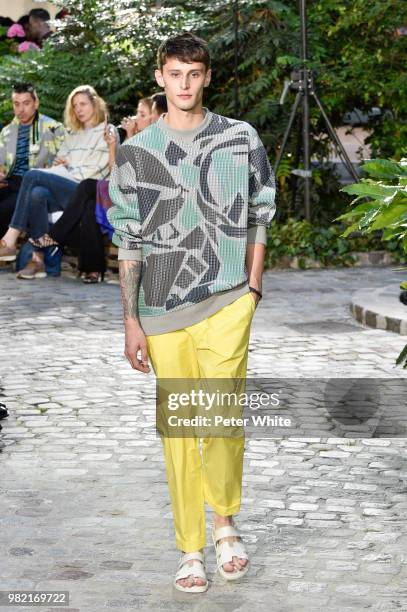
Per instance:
(109,45)
(355,53)
(354,49)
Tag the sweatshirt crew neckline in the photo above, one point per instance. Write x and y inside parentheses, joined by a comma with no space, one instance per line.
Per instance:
(185,134)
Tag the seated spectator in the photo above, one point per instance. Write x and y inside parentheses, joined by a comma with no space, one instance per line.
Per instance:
(83,154)
(79,227)
(31,140)
(38,26)
(30,30)
(85,219)
(136,123)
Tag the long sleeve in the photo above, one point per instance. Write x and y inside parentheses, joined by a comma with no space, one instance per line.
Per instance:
(64,149)
(52,136)
(57,141)
(124,215)
(262,192)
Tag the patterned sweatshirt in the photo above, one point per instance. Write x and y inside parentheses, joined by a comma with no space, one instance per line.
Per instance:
(186,203)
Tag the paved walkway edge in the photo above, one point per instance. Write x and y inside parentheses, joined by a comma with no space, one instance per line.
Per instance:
(380,308)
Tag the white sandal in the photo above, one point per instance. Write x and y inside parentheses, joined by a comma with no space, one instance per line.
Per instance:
(197,569)
(225,551)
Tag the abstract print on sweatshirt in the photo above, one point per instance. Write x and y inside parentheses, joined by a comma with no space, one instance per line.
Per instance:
(185,207)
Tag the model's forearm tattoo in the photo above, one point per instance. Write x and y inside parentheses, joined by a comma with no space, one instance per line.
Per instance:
(129,275)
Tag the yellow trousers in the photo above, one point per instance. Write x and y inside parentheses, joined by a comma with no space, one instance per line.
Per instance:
(216,347)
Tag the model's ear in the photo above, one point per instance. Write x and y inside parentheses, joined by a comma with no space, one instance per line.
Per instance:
(37,103)
(208,77)
(159,78)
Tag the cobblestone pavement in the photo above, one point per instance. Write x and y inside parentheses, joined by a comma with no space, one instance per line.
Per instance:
(84,505)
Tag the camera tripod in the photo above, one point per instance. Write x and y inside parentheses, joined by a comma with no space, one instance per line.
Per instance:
(302,81)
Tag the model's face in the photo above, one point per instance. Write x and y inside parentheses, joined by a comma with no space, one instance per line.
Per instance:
(24,106)
(183,83)
(83,108)
(143,116)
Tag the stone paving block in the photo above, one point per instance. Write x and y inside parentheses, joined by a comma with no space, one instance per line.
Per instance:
(322,514)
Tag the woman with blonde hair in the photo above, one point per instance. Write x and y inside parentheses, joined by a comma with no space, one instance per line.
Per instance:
(84,222)
(88,151)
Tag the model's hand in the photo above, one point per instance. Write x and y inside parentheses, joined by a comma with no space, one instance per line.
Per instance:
(136,347)
(58,161)
(3,174)
(255,297)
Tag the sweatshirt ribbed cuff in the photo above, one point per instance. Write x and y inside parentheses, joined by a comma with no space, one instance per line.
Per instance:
(129,254)
(257,233)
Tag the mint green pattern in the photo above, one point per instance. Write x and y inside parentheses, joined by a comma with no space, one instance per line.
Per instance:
(188,205)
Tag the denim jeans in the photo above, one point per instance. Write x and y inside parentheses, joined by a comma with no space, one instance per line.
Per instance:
(40,194)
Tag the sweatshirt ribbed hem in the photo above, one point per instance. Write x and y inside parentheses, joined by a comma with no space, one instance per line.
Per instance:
(190,315)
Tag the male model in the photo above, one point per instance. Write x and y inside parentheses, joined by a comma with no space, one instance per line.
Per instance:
(193,195)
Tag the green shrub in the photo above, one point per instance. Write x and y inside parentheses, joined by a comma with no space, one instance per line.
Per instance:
(381,201)
(381,205)
(325,245)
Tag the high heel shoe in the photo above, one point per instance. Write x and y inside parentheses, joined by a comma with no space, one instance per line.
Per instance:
(43,242)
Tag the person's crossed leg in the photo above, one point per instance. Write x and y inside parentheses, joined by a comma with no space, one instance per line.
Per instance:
(40,193)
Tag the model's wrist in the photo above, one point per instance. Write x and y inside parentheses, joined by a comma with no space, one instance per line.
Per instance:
(256,292)
(255,282)
(131,323)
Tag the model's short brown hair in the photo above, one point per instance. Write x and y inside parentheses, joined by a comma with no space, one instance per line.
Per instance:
(186,47)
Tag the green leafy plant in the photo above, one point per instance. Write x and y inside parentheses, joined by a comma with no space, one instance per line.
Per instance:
(357,54)
(381,205)
(110,45)
(309,243)
(385,190)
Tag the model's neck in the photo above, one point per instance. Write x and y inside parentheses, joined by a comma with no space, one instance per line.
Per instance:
(184,119)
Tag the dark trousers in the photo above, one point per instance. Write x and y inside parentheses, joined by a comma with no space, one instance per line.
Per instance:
(41,192)
(78,228)
(8,199)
